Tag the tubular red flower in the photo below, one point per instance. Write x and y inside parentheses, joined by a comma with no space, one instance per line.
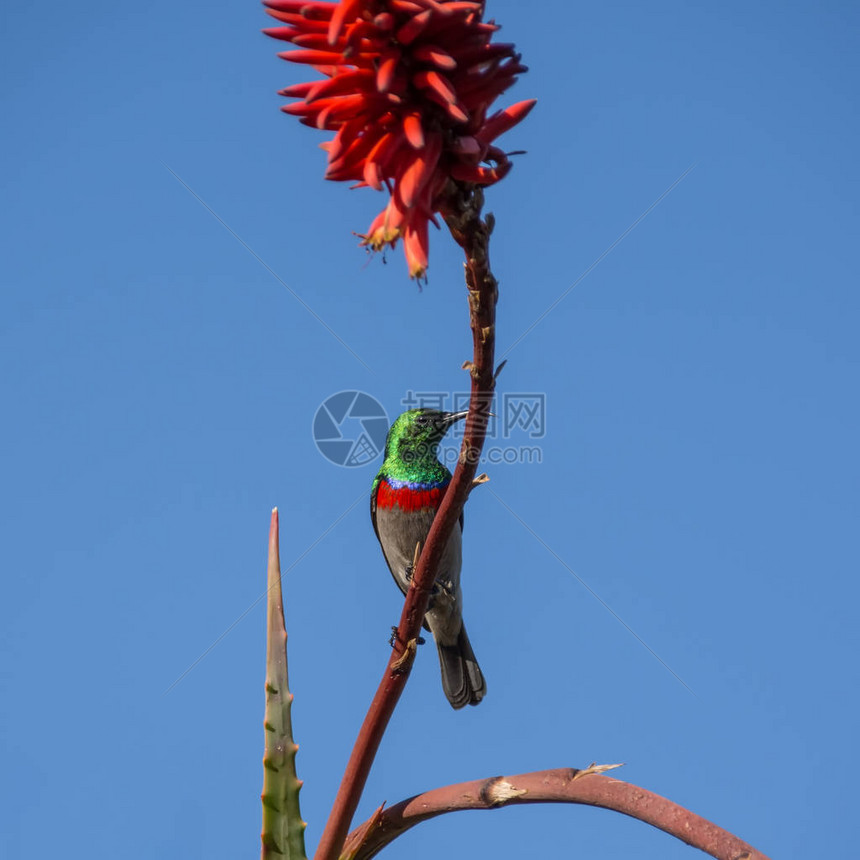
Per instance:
(407,87)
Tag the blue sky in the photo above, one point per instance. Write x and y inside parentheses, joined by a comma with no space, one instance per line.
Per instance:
(699,466)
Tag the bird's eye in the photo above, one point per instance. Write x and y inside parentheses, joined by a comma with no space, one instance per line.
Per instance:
(421,419)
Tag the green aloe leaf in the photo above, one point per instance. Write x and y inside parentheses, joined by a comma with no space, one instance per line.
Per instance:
(283,829)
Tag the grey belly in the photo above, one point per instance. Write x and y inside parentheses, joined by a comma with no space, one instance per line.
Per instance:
(399,532)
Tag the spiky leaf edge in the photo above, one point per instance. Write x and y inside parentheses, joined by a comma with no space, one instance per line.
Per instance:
(283,832)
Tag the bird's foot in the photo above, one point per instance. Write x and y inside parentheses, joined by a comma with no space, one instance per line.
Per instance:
(393,637)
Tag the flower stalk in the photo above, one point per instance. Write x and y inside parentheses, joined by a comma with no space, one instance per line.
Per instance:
(473,234)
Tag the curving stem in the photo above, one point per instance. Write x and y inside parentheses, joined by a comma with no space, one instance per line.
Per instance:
(564,785)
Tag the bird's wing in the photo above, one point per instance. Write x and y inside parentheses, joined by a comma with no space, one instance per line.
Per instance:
(373,491)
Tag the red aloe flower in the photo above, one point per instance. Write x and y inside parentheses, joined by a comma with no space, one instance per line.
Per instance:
(407,87)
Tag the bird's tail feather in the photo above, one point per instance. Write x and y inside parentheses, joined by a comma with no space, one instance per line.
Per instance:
(462,679)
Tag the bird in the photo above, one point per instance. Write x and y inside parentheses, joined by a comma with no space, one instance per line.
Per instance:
(405,496)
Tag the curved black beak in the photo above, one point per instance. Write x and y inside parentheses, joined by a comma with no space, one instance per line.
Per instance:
(449,418)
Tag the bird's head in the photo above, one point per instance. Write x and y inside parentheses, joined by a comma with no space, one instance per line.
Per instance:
(416,434)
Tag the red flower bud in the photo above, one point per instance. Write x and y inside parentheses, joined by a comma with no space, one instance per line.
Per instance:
(407,88)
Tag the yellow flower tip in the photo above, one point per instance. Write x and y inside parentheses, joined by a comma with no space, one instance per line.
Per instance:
(379,238)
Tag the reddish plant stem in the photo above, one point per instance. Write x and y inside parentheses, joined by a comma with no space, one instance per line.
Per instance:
(473,235)
(564,785)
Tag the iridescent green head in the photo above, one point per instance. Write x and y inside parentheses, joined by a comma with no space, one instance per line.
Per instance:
(413,442)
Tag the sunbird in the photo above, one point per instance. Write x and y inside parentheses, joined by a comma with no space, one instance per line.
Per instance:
(404,499)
